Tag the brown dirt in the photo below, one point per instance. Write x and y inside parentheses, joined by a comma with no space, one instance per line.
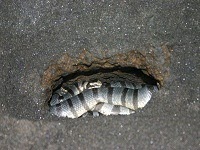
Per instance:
(148,61)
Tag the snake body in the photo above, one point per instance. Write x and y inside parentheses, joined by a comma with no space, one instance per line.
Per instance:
(107,98)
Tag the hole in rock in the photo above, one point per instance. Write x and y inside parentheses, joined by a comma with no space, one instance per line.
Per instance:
(137,66)
(107,75)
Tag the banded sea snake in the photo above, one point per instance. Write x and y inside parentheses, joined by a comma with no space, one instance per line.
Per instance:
(107,98)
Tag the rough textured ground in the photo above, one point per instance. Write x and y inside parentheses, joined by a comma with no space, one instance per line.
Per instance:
(35,33)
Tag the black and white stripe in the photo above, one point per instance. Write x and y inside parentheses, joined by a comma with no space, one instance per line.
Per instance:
(67,92)
(110,109)
(106,100)
(124,84)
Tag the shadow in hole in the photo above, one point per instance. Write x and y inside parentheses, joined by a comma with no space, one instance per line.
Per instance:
(129,70)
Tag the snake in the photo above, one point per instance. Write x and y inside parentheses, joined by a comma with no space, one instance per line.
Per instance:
(114,98)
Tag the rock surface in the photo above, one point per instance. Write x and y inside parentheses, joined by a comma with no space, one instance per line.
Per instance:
(33,34)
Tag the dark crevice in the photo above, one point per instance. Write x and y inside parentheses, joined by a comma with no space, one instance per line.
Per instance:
(115,73)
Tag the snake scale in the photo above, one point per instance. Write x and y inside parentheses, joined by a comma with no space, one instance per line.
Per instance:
(112,98)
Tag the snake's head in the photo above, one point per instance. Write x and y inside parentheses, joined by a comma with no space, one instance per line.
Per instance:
(96,84)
